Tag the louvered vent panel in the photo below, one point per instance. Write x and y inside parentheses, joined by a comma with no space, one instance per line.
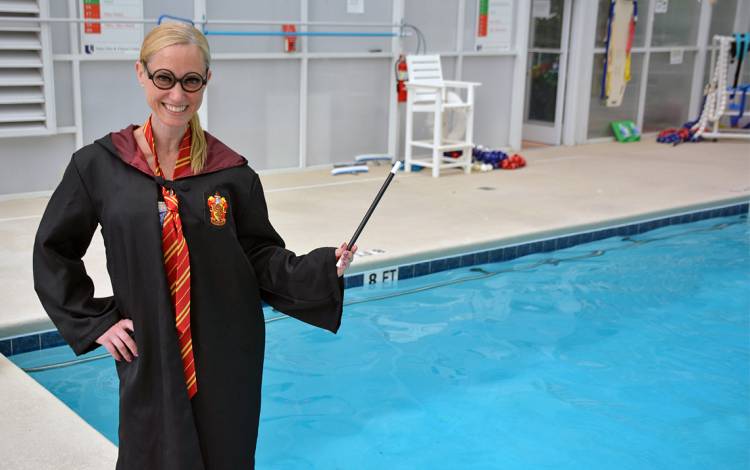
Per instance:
(26,94)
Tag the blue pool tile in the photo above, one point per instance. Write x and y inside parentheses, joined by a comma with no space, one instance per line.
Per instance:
(574,240)
(355,281)
(549,245)
(495,256)
(586,237)
(481,257)
(438,265)
(468,260)
(52,339)
(510,252)
(25,344)
(454,262)
(421,269)
(406,272)
(566,242)
(536,247)
(523,250)
(5,348)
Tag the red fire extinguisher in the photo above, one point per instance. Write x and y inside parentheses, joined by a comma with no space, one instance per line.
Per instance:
(402,75)
(290,42)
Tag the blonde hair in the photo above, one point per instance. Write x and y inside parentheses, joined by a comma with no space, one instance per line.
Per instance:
(171,34)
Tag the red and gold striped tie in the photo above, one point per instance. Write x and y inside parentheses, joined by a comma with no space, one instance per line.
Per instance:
(176,256)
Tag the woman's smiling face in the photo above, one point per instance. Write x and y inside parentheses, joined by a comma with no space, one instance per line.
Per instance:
(173,107)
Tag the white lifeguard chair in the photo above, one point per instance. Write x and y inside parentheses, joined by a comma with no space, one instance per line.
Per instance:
(428,93)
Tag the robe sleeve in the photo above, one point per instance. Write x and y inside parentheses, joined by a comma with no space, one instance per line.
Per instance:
(60,279)
(305,287)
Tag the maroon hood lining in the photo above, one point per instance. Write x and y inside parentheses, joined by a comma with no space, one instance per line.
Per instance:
(124,145)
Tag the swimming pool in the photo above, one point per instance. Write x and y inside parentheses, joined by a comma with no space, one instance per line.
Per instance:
(628,352)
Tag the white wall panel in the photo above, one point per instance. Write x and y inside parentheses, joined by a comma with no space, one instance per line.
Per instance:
(493,98)
(254,108)
(64,94)
(348,109)
(436,20)
(111,98)
(335,11)
(255,10)
(37,163)
(60,31)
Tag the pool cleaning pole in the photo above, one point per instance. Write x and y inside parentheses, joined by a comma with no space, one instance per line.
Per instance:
(374,204)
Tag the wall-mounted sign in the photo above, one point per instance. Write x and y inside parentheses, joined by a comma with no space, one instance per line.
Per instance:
(541,9)
(676,56)
(494,25)
(355,6)
(111,38)
(661,6)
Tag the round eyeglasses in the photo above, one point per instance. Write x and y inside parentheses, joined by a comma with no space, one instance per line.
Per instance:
(164,79)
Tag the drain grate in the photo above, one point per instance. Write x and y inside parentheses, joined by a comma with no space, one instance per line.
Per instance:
(486,188)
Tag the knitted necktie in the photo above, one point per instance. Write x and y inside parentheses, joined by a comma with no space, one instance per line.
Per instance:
(176,257)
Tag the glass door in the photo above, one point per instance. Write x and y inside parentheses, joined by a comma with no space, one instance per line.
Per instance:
(545,70)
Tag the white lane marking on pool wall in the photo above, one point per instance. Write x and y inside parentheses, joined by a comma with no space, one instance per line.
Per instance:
(381,277)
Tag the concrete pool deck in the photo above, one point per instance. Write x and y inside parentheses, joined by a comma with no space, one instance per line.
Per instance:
(562,190)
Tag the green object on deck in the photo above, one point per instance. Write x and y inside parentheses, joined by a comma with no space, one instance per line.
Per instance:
(625,131)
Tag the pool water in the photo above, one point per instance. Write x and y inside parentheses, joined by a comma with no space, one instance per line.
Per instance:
(623,353)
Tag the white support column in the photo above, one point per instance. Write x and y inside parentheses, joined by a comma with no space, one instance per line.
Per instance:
(393,114)
(303,89)
(75,67)
(699,65)
(199,18)
(522,14)
(460,20)
(579,71)
(47,71)
(587,22)
(644,68)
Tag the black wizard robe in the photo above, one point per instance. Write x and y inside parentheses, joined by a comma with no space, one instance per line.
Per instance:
(233,267)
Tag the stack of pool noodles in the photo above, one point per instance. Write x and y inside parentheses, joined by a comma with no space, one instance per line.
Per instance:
(487,159)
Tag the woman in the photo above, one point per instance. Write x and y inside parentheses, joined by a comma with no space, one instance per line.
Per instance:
(190,253)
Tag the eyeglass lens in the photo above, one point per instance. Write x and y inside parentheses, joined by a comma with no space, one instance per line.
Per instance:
(165,79)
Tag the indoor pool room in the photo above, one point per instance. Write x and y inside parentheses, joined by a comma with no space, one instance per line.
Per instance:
(510,234)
